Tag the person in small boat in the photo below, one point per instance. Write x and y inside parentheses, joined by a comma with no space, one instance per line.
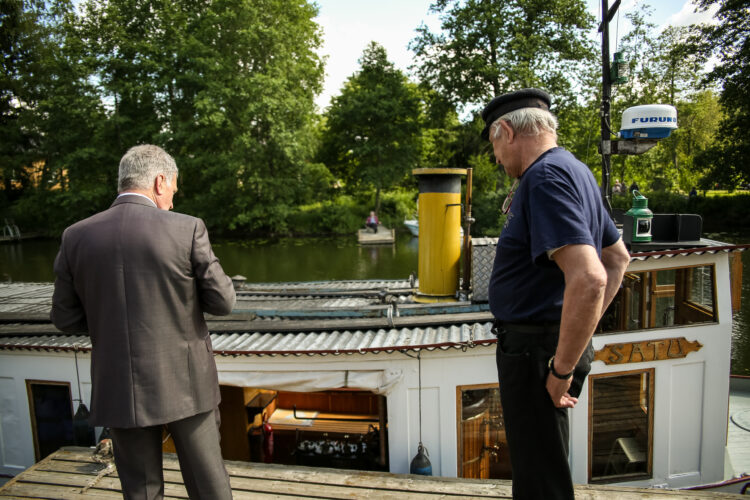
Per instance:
(372,222)
(559,263)
(138,279)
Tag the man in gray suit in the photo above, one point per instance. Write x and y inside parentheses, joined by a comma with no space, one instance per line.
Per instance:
(138,279)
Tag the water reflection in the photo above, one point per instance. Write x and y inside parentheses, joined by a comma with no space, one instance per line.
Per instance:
(741,320)
(29,261)
(318,259)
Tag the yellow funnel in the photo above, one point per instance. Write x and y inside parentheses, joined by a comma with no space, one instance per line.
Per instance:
(439,233)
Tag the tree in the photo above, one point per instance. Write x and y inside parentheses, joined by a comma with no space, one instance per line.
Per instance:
(699,121)
(488,47)
(728,160)
(372,133)
(50,115)
(227,87)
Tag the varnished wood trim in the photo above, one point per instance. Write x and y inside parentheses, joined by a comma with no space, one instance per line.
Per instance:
(459,410)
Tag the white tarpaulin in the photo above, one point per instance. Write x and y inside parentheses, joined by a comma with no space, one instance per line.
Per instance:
(377,381)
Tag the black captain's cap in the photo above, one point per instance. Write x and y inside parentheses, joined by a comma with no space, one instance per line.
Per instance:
(501,105)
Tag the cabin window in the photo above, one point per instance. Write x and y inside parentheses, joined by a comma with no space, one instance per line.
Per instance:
(621,426)
(482,447)
(51,411)
(338,428)
(662,298)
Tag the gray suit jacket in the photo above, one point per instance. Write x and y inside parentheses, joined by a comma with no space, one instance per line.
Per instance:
(138,280)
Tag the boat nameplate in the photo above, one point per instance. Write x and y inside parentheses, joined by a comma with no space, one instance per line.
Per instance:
(647,350)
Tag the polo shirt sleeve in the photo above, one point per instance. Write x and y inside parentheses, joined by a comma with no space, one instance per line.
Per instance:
(611,234)
(557,215)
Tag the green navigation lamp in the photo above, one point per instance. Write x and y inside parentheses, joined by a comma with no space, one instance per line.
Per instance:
(641,217)
(618,72)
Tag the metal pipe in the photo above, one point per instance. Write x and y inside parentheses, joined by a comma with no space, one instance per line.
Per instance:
(468,219)
(439,233)
(606,142)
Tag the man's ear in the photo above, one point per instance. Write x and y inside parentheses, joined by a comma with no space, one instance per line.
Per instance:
(160,184)
(509,132)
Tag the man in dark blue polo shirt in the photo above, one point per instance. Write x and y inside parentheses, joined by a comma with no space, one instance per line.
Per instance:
(558,265)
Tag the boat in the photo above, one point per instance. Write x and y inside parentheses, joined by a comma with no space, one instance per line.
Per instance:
(360,374)
(413,226)
(342,371)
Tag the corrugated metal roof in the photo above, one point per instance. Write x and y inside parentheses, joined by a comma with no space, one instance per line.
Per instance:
(461,336)
(26,297)
(712,248)
(709,246)
(326,286)
(47,342)
(284,302)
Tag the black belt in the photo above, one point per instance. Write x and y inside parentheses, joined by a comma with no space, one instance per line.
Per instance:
(531,328)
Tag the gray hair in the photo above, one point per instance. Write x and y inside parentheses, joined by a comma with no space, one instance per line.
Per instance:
(140,166)
(527,121)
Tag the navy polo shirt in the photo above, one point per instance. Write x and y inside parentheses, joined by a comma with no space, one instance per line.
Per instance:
(557,202)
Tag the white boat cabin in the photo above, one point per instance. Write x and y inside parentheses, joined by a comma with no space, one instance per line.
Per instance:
(653,412)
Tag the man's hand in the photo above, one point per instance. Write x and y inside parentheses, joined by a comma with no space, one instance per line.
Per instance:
(558,391)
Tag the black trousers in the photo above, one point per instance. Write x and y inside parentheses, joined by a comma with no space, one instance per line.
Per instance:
(138,458)
(537,432)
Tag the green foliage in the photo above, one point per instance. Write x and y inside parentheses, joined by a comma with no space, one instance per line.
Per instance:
(226,87)
(487,210)
(340,215)
(397,205)
(49,110)
(372,134)
(440,130)
(728,159)
(345,214)
(52,211)
(718,212)
(488,47)
(490,186)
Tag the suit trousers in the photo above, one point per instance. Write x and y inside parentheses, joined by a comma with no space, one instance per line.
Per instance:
(537,432)
(138,457)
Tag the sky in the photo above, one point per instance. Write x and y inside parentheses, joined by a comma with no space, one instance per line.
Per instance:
(349,25)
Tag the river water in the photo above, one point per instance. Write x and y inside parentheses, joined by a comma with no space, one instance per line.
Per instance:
(332,259)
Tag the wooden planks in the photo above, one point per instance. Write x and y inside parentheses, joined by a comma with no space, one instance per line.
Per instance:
(72,474)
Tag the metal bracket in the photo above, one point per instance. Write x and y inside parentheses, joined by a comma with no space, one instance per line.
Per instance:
(627,146)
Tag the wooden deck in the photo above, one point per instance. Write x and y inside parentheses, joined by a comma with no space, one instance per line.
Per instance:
(383,236)
(71,473)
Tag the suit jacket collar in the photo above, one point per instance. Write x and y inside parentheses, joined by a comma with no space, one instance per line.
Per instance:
(138,200)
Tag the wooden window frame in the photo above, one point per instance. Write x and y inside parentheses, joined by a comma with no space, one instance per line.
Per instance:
(32,408)
(649,291)
(649,452)
(459,409)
